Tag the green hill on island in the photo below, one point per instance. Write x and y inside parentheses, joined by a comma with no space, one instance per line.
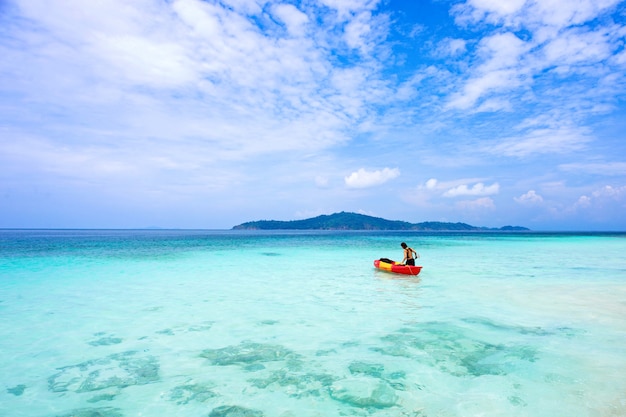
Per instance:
(355,221)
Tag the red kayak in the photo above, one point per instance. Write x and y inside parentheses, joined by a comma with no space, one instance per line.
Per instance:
(395,267)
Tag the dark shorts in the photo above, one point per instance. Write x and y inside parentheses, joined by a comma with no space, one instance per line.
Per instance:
(410,262)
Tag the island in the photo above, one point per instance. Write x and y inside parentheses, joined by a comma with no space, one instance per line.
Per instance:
(355,221)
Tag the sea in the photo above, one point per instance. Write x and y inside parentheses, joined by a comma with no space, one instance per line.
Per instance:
(230,323)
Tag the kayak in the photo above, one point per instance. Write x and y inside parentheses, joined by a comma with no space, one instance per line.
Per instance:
(395,267)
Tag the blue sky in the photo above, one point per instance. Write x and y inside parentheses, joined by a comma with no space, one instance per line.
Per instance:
(207,114)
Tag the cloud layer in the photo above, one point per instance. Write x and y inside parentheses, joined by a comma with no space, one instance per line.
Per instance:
(365,179)
(290,104)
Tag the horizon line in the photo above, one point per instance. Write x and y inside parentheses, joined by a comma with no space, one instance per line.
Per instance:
(232,229)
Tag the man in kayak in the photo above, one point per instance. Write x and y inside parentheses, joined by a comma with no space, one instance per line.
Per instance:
(408,255)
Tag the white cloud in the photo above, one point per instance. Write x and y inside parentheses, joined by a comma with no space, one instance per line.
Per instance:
(606,168)
(560,14)
(578,46)
(558,140)
(583,202)
(357,31)
(537,14)
(346,8)
(606,203)
(620,58)
(502,50)
(195,72)
(530,198)
(451,47)
(555,42)
(494,105)
(493,11)
(603,204)
(484,203)
(149,62)
(431,183)
(364,179)
(610,192)
(476,190)
(293,18)
(499,71)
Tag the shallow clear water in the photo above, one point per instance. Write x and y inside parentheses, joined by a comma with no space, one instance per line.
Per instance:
(245,324)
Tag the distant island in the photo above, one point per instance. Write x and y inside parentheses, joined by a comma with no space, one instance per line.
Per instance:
(355,221)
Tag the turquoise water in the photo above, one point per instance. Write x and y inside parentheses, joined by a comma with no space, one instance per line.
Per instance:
(244,324)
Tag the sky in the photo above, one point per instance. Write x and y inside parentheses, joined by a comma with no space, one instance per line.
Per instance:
(207,114)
